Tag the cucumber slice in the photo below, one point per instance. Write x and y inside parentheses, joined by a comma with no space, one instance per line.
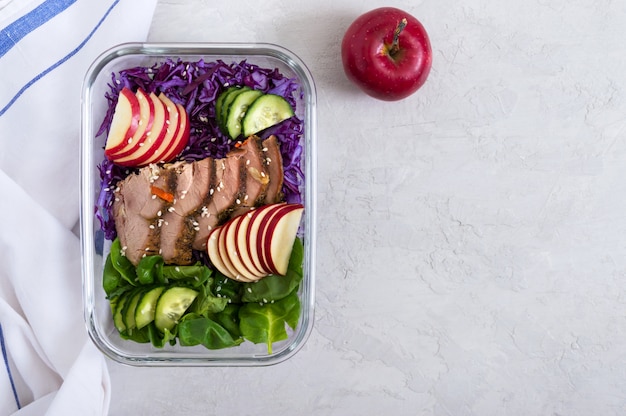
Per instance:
(221,119)
(130,307)
(144,313)
(220,100)
(266,111)
(171,305)
(237,111)
(118,316)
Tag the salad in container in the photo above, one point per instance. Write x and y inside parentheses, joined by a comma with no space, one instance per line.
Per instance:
(198,203)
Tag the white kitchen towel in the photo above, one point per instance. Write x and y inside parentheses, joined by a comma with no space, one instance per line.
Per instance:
(48,365)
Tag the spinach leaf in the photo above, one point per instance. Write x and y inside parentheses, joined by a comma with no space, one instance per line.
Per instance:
(138,335)
(265,322)
(195,330)
(149,270)
(229,319)
(275,287)
(160,339)
(207,302)
(194,275)
(228,288)
(122,264)
(111,278)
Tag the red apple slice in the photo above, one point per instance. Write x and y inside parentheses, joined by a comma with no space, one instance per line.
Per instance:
(223,253)
(214,254)
(124,123)
(279,237)
(231,249)
(152,138)
(242,242)
(146,117)
(171,131)
(255,231)
(263,235)
(181,139)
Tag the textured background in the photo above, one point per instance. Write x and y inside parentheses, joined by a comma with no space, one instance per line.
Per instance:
(471,237)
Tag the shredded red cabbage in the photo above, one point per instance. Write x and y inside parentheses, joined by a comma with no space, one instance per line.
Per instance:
(196,85)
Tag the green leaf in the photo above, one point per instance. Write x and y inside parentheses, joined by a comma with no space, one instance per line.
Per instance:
(149,270)
(121,263)
(266,322)
(111,278)
(200,330)
(229,319)
(207,302)
(160,339)
(194,275)
(275,287)
(228,288)
(138,335)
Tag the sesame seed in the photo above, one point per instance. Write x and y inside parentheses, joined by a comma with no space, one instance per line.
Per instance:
(151,226)
(159,213)
(171,209)
(249,290)
(153,196)
(196,228)
(264,149)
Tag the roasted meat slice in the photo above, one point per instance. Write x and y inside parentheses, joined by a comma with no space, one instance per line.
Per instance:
(274,164)
(225,192)
(137,211)
(178,228)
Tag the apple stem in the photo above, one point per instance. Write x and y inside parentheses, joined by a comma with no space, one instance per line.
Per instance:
(396,36)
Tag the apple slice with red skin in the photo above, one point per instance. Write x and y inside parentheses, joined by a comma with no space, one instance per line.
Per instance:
(232,252)
(214,253)
(262,235)
(241,244)
(181,139)
(223,253)
(254,233)
(124,123)
(146,118)
(152,138)
(172,128)
(278,237)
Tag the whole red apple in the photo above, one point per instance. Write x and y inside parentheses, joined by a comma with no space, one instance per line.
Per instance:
(387,53)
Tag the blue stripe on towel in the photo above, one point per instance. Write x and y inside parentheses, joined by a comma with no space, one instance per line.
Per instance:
(13,33)
(59,62)
(5,357)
